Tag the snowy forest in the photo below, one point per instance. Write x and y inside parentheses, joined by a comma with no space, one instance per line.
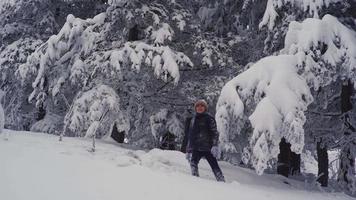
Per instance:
(278,75)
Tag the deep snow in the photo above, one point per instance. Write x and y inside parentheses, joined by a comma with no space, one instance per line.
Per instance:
(36,166)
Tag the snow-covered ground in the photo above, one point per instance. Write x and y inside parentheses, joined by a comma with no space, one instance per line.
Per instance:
(36,166)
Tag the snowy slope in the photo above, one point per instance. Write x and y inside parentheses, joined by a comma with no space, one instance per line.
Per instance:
(37,166)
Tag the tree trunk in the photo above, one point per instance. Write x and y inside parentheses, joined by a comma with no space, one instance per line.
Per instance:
(118,136)
(347,157)
(41,113)
(323,164)
(295,164)
(284,158)
(347,168)
(133,33)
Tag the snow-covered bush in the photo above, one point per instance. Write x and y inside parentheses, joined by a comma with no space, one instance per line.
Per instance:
(94,110)
(165,121)
(51,123)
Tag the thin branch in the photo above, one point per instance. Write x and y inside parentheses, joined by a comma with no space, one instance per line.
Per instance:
(66,100)
(174,104)
(324,114)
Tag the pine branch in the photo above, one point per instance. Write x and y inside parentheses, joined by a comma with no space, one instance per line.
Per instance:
(324,114)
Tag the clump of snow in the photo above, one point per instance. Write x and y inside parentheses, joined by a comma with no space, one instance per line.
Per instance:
(180,21)
(51,123)
(269,16)
(165,121)
(164,33)
(207,53)
(77,72)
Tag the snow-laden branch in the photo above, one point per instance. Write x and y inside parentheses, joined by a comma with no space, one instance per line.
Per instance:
(310,7)
(164,61)
(326,48)
(69,50)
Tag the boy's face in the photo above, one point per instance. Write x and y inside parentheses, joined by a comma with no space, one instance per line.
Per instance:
(200,108)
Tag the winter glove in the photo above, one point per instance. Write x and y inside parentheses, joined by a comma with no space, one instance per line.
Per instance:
(188,156)
(215,151)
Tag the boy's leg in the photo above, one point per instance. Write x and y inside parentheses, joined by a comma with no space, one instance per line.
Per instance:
(196,156)
(215,167)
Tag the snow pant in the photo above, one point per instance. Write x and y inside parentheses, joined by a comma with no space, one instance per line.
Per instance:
(197,155)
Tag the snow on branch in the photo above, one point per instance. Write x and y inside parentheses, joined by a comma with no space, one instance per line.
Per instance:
(311,7)
(72,56)
(60,53)
(164,61)
(326,48)
(164,33)
(165,121)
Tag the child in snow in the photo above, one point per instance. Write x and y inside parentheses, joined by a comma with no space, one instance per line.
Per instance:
(201,140)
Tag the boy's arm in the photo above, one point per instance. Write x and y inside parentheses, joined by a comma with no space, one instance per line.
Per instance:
(214,130)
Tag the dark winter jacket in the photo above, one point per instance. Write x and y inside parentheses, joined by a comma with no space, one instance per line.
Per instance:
(200,133)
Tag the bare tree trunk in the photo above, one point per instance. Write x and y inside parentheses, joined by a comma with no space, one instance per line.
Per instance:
(284,158)
(347,168)
(41,113)
(323,164)
(295,164)
(118,136)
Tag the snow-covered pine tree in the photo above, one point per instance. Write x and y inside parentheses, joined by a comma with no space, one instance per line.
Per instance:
(23,28)
(331,58)
(274,93)
(85,53)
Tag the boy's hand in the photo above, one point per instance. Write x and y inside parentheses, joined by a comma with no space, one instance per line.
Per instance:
(215,151)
